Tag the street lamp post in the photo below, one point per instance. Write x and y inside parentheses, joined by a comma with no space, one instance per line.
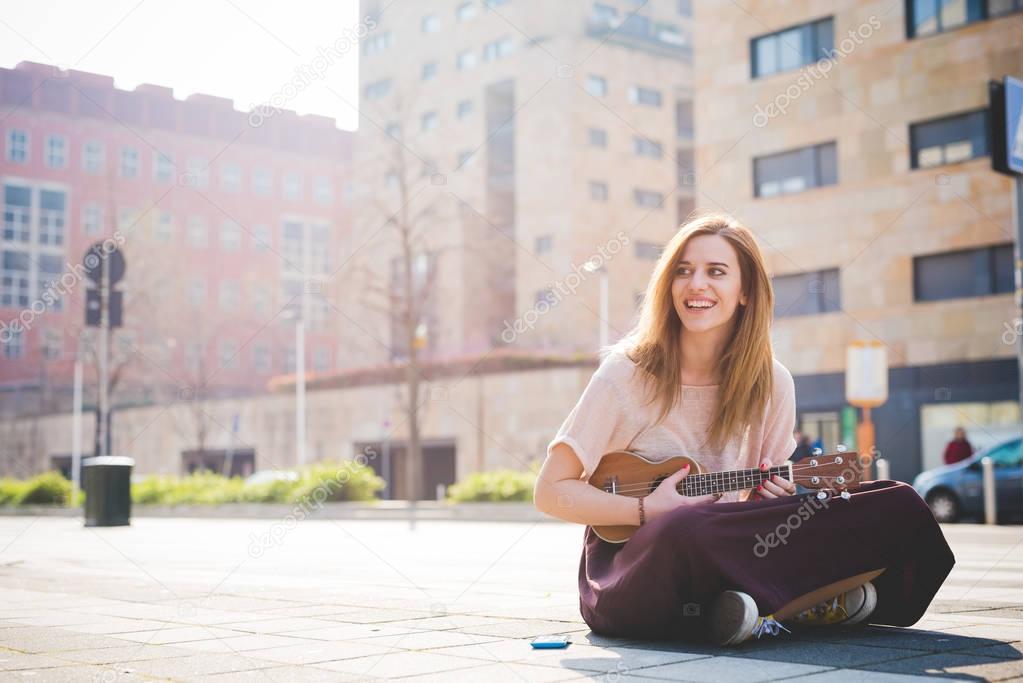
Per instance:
(592,267)
(300,426)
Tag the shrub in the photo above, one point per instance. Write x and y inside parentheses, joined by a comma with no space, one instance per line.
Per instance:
(344,480)
(200,488)
(49,488)
(11,491)
(497,486)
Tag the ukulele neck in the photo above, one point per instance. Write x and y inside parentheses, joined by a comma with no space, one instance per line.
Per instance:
(733,480)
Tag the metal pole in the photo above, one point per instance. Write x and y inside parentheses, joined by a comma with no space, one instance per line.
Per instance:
(882,469)
(104,353)
(76,430)
(1017,212)
(990,504)
(386,464)
(300,389)
(603,308)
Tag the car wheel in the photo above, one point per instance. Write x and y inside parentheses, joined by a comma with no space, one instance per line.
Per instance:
(944,506)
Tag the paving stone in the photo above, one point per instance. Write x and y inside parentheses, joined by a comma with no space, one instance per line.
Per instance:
(18,661)
(855,676)
(395,665)
(520,628)
(281,674)
(179,634)
(256,641)
(197,664)
(280,625)
(504,673)
(954,664)
(831,654)
(126,653)
(314,652)
(350,631)
(716,669)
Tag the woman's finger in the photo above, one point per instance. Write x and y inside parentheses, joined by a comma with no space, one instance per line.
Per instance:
(784,483)
(773,489)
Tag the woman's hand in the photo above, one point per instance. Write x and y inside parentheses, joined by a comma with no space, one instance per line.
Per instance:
(775,487)
(666,497)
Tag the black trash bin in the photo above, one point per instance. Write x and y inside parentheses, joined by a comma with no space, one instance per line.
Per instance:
(107,483)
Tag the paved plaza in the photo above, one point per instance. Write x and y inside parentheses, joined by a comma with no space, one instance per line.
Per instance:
(342,600)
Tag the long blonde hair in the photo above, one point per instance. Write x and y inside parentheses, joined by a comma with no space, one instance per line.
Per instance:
(747,362)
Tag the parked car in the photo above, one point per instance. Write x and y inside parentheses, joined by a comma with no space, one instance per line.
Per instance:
(956,491)
(266,476)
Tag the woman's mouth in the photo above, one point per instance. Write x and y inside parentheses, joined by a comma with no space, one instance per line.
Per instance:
(699,304)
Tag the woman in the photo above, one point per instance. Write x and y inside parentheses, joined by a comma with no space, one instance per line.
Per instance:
(697,377)
(959,448)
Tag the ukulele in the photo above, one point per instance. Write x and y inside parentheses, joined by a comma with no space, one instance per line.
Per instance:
(626,473)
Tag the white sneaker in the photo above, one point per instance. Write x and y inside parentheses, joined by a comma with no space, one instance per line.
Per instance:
(734,619)
(849,608)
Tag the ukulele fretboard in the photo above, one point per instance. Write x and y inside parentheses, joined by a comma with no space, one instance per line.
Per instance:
(734,480)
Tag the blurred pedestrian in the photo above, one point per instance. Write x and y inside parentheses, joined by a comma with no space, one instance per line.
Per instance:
(802,446)
(958,448)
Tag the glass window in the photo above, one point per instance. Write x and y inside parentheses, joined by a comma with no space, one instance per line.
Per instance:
(648,198)
(56,151)
(597,137)
(163,167)
(950,139)
(964,273)
(650,251)
(465,60)
(807,293)
(197,232)
(17,146)
(596,85)
(464,108)
(429,120)
(927,17)
(17,213)
(92,219)
(231,178)
(14,279)
(598,191)
(466,11)
(795,171)
(647,148)
(262,182)
(429,71)
(792,48)
(230,236)
(544,243)
(129,162)
(52,217)
(292,186)
(323,192)
(431,23)
(92,157)
(377,89)
(165,227)
(647,96)
(1007,455)
(14,345)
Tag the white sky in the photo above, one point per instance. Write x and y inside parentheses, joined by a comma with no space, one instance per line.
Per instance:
(237,49)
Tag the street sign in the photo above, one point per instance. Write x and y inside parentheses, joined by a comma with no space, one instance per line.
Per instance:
(115,308)
(99,253)
(1007,125)
(866,374)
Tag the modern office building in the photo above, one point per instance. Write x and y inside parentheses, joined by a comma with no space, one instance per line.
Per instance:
(225,218)
(853,138)
(519,141)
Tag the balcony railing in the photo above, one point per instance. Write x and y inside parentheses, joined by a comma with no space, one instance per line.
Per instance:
(641,33)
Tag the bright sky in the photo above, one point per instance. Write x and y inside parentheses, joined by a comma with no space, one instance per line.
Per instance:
(245,50)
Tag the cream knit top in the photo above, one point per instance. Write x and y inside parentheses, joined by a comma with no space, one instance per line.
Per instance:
(611,415)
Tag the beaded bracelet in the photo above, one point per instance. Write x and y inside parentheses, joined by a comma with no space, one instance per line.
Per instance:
(642,514)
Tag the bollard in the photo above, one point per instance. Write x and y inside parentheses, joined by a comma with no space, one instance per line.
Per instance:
(441,491)
(990,507)
(882,469)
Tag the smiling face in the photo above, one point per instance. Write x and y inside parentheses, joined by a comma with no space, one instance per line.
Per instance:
(707,288)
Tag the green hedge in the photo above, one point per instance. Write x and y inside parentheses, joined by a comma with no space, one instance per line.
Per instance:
(344,480)
(49,488)
(495,486)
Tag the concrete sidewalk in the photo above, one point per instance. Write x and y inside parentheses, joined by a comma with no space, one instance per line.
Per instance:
(256,600)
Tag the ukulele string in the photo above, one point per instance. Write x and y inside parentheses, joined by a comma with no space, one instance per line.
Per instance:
(744,475)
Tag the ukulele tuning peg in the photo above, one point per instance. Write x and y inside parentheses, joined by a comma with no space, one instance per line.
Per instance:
(817,451)
(821,495)
(841,448)
(845,495)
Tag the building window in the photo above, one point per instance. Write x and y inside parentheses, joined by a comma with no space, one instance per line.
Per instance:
(807,293)
(230,236)
(544,244)
(429,71)
(17,146)
(429,120)
(262,182)
(647,148)
(597,137)
(261,239)
(648,198)
(598,191)
(261,358)
(49,268)
(261,299)
(647,96)
(52,345)
(497,49)
(792,48)
(197,232)
(231,178)
(92,219)
(14,279)
(228,353)
(466,11)
(165,227)
(465,108)
(292,186)
(56,151)
(465,60)
(377,44)
(321,359)
(965,273)
(163,167)
(684,119)
(604,13)
(377,89)
(198,174)
(52,212)
(928,17)
(596,85)
(17,213)
(430,23)
(14,345)
(795,171)
(323,193)
(230,295)
(949,139)
(197,291)
(650,251)
(92,157)
(129,162)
